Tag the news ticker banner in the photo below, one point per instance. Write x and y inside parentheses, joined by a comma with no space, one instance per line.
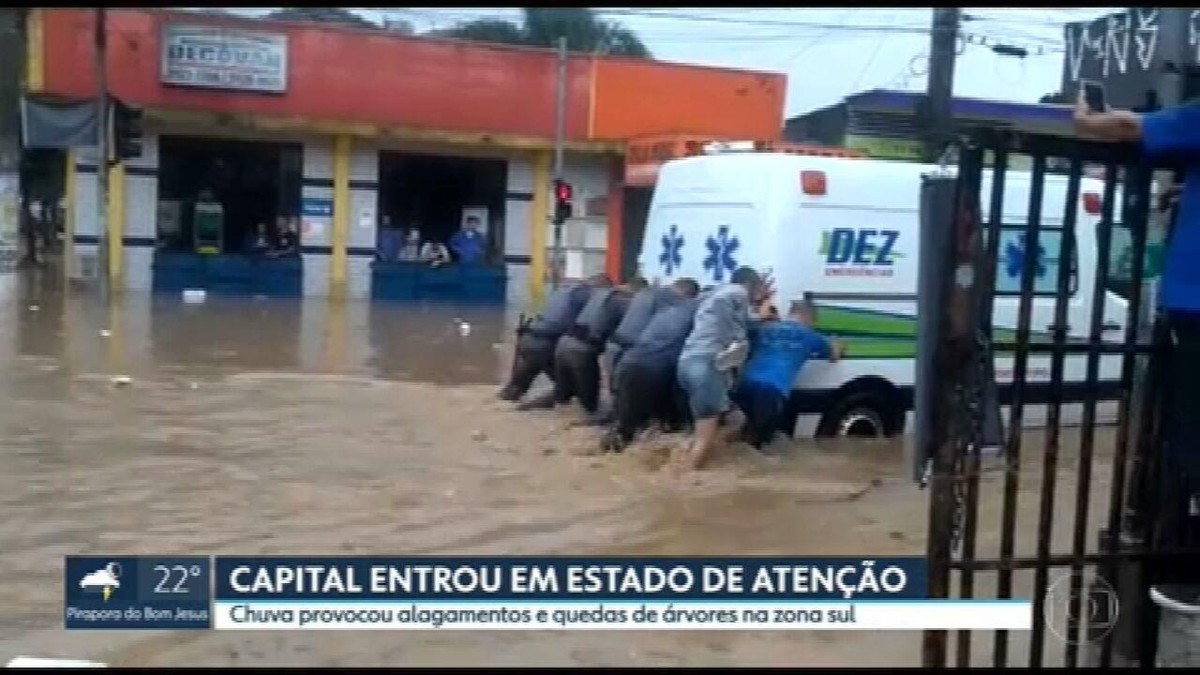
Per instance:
(547,593)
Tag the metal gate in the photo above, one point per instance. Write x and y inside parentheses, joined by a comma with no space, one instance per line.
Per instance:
(1086,565)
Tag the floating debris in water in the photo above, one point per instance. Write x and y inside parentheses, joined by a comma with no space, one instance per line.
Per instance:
(121,381)
(34,308)
(464,329)
(105,332)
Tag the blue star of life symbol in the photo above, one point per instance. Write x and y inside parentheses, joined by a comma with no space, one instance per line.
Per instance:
(1015,254)
(721,250)
(672,245)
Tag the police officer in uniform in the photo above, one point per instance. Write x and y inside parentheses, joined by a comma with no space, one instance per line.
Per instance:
(538,337)
(577,357)
(646,388)
(645,304)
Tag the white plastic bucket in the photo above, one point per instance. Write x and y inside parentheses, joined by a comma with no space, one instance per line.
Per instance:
(1178,625)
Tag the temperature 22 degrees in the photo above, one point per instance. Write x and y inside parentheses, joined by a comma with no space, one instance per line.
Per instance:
(173,579)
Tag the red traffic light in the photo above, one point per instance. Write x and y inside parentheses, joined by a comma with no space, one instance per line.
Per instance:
(562,191)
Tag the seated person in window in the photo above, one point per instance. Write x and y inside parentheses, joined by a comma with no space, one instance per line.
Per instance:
(435,253)
(469,244)
(286,242)
(257,241)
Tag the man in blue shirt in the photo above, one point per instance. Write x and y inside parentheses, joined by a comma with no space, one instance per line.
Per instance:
(1172,134)
(469,244)
(778,351)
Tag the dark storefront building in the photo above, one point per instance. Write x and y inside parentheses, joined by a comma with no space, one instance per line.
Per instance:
(884,124)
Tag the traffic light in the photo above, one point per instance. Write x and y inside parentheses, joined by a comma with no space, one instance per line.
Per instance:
(563,195)
(127,131)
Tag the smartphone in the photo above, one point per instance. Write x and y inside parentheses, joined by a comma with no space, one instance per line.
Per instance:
(1093,93)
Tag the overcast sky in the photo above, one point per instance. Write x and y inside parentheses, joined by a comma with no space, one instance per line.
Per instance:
(830,53)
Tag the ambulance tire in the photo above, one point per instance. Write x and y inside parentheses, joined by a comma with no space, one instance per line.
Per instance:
(862,414)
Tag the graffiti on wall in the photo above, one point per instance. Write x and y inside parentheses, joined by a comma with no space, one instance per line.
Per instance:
(1117,44)
(1128,51)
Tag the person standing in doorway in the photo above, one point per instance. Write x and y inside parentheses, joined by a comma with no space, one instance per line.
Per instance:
(1172,133)
(257,241)
(410,251)
(469,244)
(716,345)
(287,239)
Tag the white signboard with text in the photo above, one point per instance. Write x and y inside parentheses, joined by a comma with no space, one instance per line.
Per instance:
(224,58)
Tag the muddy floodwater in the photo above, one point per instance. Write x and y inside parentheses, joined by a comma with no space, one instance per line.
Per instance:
(315,428)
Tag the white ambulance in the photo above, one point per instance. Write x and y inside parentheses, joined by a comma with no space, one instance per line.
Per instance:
(846,231)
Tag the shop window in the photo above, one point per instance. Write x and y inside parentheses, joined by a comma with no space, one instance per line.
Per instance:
(433,196)
(229,196)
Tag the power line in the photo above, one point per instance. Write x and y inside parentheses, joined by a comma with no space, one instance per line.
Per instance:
(864,28)
(869,63)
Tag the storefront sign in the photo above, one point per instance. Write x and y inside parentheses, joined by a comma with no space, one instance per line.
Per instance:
(224,58)
(317,220)
(317,206)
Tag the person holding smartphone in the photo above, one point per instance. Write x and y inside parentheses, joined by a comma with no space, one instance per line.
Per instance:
(1171,133)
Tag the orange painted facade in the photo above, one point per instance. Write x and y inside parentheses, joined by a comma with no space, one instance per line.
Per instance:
(346,81)
(355,75)
(637,98)
(335,74)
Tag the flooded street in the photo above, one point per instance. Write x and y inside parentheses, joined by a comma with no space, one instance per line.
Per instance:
(266,427)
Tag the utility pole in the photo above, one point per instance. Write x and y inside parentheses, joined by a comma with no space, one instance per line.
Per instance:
(560,131)
(101,44)
(939,97)
(12,60)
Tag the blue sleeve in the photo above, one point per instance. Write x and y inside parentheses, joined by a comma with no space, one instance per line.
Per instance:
(456,243)
(819,345)
(1171,131)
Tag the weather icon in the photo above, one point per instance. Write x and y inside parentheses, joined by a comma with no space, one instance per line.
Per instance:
(105,580)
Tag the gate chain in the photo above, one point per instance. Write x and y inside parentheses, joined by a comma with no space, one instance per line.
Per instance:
(971,398)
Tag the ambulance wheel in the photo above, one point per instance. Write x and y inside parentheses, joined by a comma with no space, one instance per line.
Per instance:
(860,415)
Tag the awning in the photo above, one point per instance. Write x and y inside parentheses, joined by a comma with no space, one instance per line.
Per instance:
(56,123)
